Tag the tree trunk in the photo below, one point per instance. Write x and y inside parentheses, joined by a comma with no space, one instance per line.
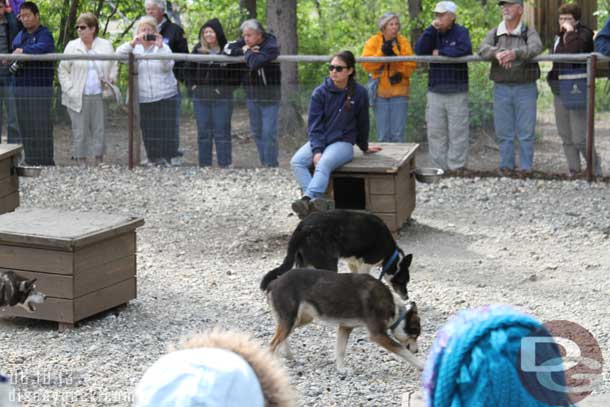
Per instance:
(249,6)
(282,21)
(415,9)
(68,27)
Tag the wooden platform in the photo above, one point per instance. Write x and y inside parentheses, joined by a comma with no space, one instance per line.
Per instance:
(84,262)
(9,181)
(381,183)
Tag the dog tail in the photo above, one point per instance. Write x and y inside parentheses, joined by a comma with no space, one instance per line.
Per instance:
(286,265)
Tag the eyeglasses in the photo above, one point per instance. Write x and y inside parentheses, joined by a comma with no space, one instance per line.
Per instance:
(81,27)
(337,68)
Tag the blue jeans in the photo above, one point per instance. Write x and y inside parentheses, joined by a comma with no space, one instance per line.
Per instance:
(213,127)
(391,118)
(263,124)
(7,96)
(334,156)
(515,115)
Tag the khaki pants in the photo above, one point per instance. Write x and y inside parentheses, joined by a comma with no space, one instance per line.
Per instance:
(572,129)
(88,128)
(448,129)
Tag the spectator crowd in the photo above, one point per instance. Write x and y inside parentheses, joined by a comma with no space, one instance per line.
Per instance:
(26,88)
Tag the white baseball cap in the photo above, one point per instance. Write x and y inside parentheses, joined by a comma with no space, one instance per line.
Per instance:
(200,377)
(445,7)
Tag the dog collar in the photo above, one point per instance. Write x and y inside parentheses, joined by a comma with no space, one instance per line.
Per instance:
(402,316)
(386,267)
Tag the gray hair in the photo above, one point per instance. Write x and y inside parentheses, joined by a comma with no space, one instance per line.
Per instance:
(147,20)
(252,24)
(159,3)
(384,19)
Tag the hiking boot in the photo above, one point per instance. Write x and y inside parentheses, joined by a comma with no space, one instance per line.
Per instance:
(322,204)
(301,207)
(505,172)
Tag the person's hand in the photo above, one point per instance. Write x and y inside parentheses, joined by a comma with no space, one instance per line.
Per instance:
(505,58)
(159,41)
(256,49)
(245,48)
(386,48)
(316,158)
(18,51)
(203,49)
(435,53)
(374,149)
(567,26)
(137,39)
(396,78)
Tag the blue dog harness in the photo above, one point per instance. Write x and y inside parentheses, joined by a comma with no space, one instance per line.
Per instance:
(401,318)
(386,266)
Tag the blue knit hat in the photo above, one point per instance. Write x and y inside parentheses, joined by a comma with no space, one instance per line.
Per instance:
(474,361)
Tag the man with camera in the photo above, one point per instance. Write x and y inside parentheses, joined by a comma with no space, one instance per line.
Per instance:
(447,110)
(34,87)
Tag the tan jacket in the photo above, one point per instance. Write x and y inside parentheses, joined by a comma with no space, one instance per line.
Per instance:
(522,70)
(73,73)
(385,89)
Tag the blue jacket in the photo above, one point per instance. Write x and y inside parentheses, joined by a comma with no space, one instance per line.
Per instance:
(262,78)
(35,73)
(329,121)
(446,78)
(602,41)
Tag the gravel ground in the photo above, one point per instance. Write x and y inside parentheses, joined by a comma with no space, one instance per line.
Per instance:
(210,235)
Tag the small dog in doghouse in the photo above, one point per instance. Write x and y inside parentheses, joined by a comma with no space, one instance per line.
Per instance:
(18,291)
(347,300)
(359,238)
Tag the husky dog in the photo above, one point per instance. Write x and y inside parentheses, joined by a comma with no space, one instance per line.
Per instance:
(347,300)
(360,238)
(19,291)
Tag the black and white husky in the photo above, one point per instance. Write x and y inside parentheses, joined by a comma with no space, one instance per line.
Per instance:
(359,238)
(19,291)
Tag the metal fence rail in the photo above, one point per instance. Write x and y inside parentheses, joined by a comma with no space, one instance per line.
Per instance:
(129,85)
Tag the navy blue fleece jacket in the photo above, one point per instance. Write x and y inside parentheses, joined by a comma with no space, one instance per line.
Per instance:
(446,78)
(329,121)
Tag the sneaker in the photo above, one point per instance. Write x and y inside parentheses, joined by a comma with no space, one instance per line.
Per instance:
(322,204)
(301,207)
(505,172)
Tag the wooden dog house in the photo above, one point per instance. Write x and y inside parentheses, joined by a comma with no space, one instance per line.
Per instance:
(84,262)
(9,181)
(381,183)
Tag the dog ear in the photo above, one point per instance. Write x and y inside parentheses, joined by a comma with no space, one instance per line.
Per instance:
(23,286)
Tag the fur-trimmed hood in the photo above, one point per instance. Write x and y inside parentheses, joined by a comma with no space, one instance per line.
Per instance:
(226,347)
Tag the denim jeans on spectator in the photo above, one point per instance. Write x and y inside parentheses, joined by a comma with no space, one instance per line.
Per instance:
(213,127)
(263,124)
(7,98)
(334,156)
(515,115)
(391,118)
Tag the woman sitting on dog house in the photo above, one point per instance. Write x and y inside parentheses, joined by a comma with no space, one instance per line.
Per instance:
(338,118)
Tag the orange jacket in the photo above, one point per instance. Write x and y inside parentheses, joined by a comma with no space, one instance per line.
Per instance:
(385,89)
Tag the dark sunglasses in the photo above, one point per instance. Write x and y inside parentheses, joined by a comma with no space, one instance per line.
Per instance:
(337,68)
(81,27)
